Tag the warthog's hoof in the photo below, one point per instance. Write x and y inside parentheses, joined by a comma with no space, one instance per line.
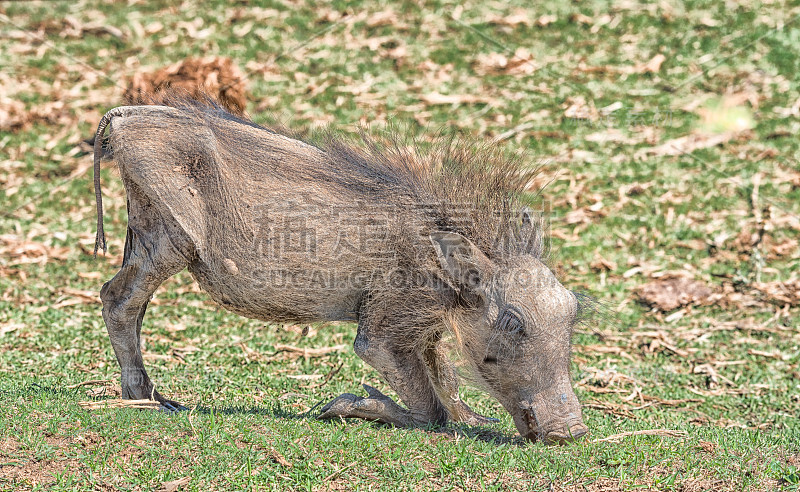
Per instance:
(376,406)
(171,406)
(168,405)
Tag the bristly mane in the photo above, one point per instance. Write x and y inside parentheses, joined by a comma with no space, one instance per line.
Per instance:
(474,189)
(470,188)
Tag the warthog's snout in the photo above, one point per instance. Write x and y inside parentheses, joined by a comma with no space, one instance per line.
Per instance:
(576,431)
(553,420)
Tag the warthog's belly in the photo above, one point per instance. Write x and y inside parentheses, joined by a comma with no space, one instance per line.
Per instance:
(281,293)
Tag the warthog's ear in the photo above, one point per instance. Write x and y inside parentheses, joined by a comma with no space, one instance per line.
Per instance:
(532,231)
(466,266)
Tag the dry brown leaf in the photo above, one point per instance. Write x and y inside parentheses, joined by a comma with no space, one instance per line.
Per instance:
(787,247)
(435,98)
(174,485)
(521,63)
(577,108)
(614,135)
(92,382)
(399,53)
(9,327)
(606,377)
(686,144)
(305,377)
(579,18)
(609,407)
(546,20)
(672,293)
(72,27)
(606,349)
(383,18)
(769,355)
(87,296)
(279,458)
(600,263)
(708,447)
(514,19)
(652,66)
(712,377)
(12,114)
(657,340)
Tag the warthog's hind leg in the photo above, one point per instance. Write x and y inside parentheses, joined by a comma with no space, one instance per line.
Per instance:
(150,258)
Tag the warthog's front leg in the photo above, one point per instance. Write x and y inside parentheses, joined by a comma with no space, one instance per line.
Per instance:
(376,406)
(445,382)
(405,372)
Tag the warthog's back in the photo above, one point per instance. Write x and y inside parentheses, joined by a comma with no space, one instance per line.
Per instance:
(283,230)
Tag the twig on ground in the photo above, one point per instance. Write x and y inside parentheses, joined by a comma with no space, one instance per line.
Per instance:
(339,472)
(191,424)
(330,374)
(678,434)
(309,352)
(92,382)
(120,403)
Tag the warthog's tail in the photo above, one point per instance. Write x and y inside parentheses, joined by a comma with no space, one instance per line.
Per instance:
(124,111)
(100,237)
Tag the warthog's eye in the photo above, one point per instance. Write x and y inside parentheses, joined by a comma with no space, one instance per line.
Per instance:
(510,321)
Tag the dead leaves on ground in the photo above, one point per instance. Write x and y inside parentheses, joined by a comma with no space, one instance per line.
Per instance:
(780,292)
(217,77)
(667,294)
(672,292)
(15,115)
(435,98)
(520,63)
(70,27)
(278,458)
(688,144)
(174,485)
(578,108)
(520,17)
(652,65)
(616,438)
(21,251)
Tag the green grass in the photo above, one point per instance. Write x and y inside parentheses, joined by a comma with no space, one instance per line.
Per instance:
(634,369)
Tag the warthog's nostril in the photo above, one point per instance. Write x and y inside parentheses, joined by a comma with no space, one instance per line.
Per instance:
(561,437)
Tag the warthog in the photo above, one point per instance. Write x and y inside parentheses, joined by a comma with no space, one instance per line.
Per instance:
(416,246)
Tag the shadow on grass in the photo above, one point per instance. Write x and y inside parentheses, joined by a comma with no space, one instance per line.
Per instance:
(452,431)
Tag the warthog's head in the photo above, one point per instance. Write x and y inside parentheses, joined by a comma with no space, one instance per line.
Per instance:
(518,336)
